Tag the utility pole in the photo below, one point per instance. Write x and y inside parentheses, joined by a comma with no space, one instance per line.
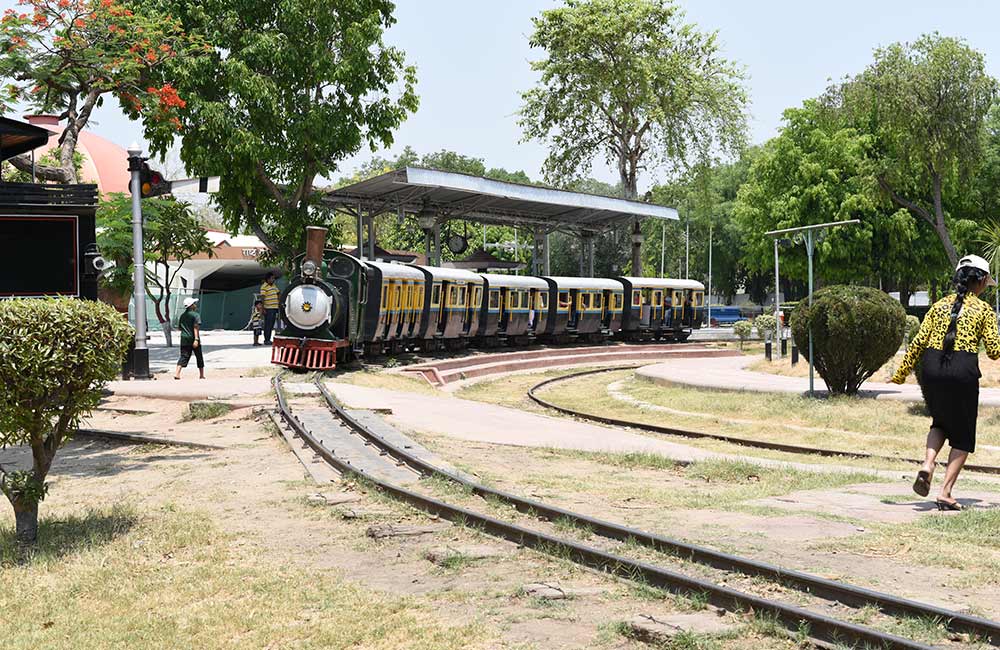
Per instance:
(709,273)
(140,356)
(687,251)
(663,245)
(777,291)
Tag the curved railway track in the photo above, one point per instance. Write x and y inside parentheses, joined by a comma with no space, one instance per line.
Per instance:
(821,626)
(687,433)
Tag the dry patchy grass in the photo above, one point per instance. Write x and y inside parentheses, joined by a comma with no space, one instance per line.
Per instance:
(116,578)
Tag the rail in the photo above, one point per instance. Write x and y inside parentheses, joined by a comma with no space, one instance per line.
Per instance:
(826,627)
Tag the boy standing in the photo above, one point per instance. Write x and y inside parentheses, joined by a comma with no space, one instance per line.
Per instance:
(257,320)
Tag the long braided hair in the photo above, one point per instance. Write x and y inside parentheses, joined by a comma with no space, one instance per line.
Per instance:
(965,278)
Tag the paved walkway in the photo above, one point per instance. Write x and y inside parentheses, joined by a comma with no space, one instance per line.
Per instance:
(480,422)
(222,349)
(730,373)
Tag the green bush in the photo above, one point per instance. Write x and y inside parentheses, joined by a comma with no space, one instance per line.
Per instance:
(855,331)
(55,357)
(742,329)
(912,327)
(765,324)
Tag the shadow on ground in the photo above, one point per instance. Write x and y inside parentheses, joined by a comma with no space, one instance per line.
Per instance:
(59,536)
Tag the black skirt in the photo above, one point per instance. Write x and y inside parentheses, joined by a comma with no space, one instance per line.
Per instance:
(951,391)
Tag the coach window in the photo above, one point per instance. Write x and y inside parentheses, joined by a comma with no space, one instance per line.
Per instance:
(543,301)
(636,298)
(583,302)
(598,300)
(494,299)
(618,301)
(384,296)
(436,296)
(477,296)
(563,300)
(461,296)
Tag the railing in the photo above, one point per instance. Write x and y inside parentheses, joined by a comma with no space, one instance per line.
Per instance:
(47,194)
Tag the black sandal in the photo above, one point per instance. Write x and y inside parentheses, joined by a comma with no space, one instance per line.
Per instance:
(922,485)
(948,505)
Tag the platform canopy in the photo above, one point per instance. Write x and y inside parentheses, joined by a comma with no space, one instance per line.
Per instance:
(451,195)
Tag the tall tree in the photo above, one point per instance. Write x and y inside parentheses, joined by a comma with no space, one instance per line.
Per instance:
(172,235)
(66,56)
(290,89)
(925,104)
(628,80)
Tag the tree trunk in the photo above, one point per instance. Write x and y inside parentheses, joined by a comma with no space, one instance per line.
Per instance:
(26,522)
(939,225)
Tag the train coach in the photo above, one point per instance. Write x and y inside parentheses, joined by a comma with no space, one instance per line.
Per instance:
(339,306)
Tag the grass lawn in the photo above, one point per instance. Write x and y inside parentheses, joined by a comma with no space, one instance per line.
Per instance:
(118,578)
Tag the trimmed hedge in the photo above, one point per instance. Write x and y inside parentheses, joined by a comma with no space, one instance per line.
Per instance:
(765,324)
(856,330)
(742,329)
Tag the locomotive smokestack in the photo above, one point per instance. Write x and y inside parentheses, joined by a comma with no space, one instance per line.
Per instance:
(315,243)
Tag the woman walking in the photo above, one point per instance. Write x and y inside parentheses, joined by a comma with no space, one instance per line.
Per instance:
(947,347)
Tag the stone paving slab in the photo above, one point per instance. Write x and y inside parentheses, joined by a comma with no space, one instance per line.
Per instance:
(730,373)
(351,448)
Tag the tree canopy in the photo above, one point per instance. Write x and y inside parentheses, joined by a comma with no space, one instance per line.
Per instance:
(289,90)
(629,81)
(925,106)
(66,56)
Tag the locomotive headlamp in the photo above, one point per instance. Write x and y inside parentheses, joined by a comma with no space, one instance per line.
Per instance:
(309,269)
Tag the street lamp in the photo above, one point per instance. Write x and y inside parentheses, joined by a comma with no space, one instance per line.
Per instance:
(777,292)
(808,230)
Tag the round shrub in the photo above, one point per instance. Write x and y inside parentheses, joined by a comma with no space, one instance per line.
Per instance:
(742,329)
(855,331)
(765,324)
(55,357)
(912,327)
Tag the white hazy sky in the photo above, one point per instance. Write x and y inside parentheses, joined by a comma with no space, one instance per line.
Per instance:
(473,59)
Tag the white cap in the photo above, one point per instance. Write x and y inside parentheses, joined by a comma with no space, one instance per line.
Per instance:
(977,262)
(190,301)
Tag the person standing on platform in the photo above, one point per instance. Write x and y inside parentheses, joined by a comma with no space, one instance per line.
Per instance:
(190,326)
(269,293)
(947,347)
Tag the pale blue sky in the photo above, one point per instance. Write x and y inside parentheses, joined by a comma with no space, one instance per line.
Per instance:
(472,58)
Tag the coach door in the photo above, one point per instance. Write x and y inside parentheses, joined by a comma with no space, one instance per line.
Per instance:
(657,308)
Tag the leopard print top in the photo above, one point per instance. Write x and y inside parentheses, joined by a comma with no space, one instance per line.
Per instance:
(976,323)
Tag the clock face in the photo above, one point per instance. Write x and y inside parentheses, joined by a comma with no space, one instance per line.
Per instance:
(457,244)
(342,268)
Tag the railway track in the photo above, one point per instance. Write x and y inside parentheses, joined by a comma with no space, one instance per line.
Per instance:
(821,626)
(687,433)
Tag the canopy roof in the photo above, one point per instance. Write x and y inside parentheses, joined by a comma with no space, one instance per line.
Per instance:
(20,137)
(451,195)
(482,260)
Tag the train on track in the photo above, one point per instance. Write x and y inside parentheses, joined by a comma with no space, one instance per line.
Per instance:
(339,306)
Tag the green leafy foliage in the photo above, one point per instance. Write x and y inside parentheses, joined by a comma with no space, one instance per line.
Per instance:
(765,325)
(289,90)
(171,232)
(64,57)
(743,329)
(855,331)
(630,81)
(925,105)
(912,327)
(55,357)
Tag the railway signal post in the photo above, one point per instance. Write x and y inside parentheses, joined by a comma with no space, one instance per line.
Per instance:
(808,233)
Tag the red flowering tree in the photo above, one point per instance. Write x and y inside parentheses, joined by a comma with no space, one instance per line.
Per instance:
(66,56)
